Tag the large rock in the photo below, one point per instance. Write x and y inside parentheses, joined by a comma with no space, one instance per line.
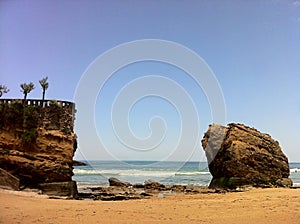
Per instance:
(117,183)
(154,185)
(61,189)
(37,141)
(78,163)
(240,155)
(50,159)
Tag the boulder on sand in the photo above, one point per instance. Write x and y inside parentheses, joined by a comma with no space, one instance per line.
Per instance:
(60,189)
(151,184)
(117,183)
(239,155)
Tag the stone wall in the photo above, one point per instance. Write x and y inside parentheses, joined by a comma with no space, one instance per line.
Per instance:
(48,114)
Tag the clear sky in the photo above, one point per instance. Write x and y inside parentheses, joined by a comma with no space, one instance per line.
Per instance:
(252,47)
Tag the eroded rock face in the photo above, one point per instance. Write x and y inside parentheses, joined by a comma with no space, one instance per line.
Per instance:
(50,159)
(8,181)
(37,142)
(240,155)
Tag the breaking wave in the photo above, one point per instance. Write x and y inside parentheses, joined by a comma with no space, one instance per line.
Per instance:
(141,173)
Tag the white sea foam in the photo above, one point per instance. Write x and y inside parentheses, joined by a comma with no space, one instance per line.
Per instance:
(296,185)
(136,173)
(295,170)
(146,173)
(192,173)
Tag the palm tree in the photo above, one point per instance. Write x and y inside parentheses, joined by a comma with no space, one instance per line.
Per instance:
(26,88)
(3,89)
(44,85)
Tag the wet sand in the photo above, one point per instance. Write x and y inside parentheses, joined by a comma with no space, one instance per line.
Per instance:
(273,205)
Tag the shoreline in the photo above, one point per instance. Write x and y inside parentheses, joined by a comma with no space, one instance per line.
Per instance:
(192,174)
(268,205)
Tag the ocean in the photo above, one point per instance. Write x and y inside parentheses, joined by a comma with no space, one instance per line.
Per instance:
(168,173)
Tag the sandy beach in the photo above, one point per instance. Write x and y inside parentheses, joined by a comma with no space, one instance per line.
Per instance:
(254,206)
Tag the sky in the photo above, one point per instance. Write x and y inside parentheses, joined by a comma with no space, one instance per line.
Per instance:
(153,109)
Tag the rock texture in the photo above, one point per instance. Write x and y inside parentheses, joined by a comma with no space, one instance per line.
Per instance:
(240,155)
(50,159)
(9,181)
(152,184)
(60,189)
(128,191)
(78,163)
(117,183)
(37,142)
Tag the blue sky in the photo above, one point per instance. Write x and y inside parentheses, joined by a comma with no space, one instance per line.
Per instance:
(252,47)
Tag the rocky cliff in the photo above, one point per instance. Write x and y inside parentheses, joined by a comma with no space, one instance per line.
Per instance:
(240,155)
(37,142)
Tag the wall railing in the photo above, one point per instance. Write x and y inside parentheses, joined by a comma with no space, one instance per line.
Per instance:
(39,102)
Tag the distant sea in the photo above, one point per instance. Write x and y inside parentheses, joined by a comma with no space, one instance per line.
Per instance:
(168,173)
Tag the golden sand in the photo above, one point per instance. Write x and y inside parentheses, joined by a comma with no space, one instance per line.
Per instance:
(273,205)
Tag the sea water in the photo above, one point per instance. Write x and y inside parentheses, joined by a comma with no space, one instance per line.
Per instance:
(295,174)
(168,173)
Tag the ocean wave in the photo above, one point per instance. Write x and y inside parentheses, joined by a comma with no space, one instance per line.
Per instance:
(136,173)
(192,173)
(296,184)
(295,170)
(149,173)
